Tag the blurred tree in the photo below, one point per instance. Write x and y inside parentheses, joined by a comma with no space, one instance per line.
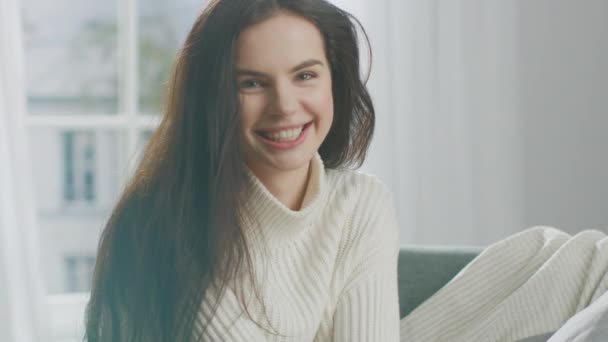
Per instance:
(158,42)
(93,52)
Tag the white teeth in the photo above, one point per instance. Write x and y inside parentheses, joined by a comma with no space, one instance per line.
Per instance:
(285,135)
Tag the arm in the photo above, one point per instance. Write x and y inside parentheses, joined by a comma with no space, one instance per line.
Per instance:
(368,306)
(369,310)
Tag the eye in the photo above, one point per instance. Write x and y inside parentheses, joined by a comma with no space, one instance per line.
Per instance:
(251,83)
(304,76)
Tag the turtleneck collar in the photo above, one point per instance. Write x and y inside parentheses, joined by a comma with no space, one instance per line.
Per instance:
(263,213)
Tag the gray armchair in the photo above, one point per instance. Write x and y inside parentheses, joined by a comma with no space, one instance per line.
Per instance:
(424,270)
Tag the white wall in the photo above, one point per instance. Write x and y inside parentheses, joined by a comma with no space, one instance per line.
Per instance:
(564,91)
(491,115)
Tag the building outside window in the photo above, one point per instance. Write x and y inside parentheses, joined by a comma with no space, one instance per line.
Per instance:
(79,167)
(79,272)
(95,77)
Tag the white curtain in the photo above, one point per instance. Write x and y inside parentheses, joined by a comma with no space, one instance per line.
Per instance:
(22,302)
(444,81)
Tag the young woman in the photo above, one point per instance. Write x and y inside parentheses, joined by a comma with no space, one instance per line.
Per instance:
(243,222)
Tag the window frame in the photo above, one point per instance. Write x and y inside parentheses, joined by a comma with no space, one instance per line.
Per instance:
(67,309)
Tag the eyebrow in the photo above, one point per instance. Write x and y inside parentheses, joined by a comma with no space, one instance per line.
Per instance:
(305,64)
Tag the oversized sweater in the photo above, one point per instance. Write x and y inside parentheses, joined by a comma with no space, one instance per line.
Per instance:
(327,272)
(526,285)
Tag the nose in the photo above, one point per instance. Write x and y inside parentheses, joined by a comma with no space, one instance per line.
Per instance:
(285,101)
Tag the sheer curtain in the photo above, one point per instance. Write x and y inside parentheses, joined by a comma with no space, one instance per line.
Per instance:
(444,81)
(22,301)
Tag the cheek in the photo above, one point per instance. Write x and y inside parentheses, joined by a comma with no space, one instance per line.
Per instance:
(251,110)
(325,105)
(329,106)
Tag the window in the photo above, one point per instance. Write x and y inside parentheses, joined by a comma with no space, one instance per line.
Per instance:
(78,167)
(95,74)
(78,272)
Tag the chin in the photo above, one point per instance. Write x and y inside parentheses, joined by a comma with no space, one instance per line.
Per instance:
(291,162)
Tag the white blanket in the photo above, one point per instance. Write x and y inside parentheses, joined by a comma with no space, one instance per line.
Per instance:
(528,284)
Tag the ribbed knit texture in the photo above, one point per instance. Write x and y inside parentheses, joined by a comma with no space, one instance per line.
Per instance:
(528,284)
(327,272)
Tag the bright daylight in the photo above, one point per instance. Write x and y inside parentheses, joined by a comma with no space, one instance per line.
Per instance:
(303,170)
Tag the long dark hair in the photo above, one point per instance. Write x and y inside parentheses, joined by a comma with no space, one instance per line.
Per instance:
(175,230)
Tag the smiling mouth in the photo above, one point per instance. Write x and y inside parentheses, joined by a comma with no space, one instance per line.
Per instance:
(290,134)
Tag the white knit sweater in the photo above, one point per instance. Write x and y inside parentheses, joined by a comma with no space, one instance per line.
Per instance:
(328,272)
(525,285)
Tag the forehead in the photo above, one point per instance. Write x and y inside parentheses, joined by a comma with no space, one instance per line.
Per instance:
(283,40)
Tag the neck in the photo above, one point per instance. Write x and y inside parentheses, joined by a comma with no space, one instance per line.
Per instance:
(289,187)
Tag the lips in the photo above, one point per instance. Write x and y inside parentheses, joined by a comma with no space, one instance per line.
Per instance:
(285,133)
(285,138)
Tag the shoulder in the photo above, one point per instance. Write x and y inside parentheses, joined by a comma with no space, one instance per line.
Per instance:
(357,186)
(371,222)
(370,235)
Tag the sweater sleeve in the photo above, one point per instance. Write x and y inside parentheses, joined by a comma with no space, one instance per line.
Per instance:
(368,307)
(369,310)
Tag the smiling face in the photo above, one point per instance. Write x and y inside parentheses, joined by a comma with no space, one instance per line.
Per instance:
(285,91)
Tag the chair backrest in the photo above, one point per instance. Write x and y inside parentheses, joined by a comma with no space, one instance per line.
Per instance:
(424,270)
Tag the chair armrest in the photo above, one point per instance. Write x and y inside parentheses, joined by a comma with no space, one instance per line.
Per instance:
(423,270)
